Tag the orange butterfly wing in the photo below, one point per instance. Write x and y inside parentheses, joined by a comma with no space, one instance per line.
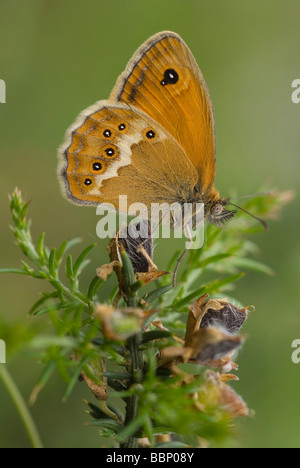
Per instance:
(164,81)
(114,150)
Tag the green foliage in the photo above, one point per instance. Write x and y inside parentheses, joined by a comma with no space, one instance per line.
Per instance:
(159,401)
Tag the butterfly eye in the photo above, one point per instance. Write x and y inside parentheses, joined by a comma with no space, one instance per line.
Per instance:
(122,127)
(88,182)
(217,210)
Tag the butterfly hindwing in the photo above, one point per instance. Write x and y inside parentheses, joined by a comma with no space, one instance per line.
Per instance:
(115,150)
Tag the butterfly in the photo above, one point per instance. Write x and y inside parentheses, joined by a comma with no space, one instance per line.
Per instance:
(153,140)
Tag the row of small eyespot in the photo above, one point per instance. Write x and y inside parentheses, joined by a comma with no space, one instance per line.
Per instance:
(110,151)
(107,133)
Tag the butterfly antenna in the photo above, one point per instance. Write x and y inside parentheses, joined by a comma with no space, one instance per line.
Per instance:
(265,225)
(262,194)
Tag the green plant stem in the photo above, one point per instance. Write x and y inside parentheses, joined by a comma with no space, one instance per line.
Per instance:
(76,298)
(135,367)
(21,407)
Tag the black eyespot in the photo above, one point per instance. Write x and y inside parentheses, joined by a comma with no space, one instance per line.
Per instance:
(107,133)
(170,77)
(87,182)
(150,134)
(122,127)
(97,166)
(110,152)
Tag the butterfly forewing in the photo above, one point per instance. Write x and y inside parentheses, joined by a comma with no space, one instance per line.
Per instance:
(164,81)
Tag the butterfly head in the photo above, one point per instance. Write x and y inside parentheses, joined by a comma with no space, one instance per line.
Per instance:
(218,214)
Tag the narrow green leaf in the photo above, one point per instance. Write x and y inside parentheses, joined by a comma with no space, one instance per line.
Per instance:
(127,270)
(72,242)
(219,284)
(45,310)
(155,335)
(40,248)
(148,428)
(249,264)
(27,267)
(47,252)
(117,375)
(153,295)
(98,413)
(61,251)
(17,271)
(65,246)
(45,341)
(132,428)
(119,349)
(69,268)
(107,424)
(213,259)
(75,377)
(149,319)
(84,264)
(24,210)
(33,273)
(207,289)
(43,379)
(81,258)
(41,301)
(94,287)
(52,263)
(113,295)
(116,385)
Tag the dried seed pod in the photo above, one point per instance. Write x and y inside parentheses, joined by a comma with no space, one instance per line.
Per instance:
(137,242)
(211,344)
(229,318)
(217,313)
(215,392)
(120,324)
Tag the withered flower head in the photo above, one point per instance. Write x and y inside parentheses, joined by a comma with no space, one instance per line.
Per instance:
(215,313)
(120,324)
(136,240)
(229,317)
(211,344)
(215,393)
(210,334)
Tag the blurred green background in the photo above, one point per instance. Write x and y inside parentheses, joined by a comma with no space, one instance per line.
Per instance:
(57,58)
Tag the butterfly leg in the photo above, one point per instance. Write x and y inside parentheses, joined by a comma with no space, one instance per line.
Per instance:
(181,258)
